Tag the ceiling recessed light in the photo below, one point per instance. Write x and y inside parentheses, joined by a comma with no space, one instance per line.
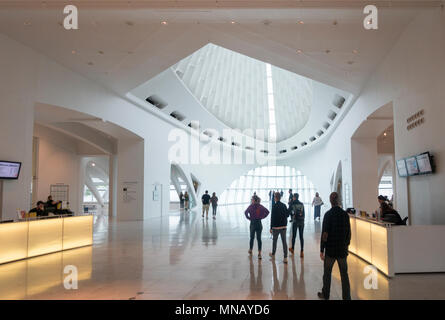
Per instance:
(100,52)
(90,63)
(350,62)
(355,51)
(385,134)
(232,22)
(93,164)
(328,51)
(299,51)
(300,22)
(27,23)
(164,23)
(129,23)
(73,51)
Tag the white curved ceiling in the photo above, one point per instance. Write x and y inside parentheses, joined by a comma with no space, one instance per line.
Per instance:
(236,89)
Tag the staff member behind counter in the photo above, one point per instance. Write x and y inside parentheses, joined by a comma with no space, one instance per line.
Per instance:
(40,209)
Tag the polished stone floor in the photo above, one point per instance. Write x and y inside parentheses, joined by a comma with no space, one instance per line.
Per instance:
(182,256)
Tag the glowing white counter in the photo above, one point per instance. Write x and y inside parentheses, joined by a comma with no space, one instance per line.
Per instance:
(398,249)
(25,239)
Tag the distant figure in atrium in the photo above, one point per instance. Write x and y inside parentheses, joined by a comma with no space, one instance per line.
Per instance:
(317,203)
(214,201)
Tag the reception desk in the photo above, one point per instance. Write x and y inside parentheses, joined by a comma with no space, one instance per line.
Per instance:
(31,238)
(398,249)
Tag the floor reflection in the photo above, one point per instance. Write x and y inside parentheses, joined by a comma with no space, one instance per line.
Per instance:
(26,279)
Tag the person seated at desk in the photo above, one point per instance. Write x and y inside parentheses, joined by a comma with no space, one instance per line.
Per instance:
(40,209)
(388,214)
(50,203)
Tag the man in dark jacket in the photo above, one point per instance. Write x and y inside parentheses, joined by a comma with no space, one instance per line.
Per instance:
(278,225)
(335,239)
(296,209)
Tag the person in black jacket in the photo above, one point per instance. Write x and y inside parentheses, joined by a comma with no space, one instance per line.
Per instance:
(278,225)
(296,209)
(335,239)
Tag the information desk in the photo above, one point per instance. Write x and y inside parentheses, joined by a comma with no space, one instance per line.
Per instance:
(398,249)
(30,238)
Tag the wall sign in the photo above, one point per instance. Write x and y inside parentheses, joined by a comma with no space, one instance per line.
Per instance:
(415,120)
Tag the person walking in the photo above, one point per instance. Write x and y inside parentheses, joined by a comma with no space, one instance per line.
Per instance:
(255,213)
(181,200)
(186,201)
(214,201)
(297,212)
(205,204)
(278,225)
(317,203)
(335,239)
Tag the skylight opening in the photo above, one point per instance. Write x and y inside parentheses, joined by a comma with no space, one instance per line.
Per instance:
(271,104)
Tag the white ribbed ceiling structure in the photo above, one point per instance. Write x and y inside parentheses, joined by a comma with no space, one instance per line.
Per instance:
(242,92)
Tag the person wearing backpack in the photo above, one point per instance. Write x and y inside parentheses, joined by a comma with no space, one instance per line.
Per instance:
(296,209)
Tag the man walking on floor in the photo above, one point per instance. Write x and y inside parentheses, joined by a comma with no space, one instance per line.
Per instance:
(335,239)
(278,225)
(205,204)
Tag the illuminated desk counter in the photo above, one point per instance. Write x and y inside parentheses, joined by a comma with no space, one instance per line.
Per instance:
(398,249)
(31,238)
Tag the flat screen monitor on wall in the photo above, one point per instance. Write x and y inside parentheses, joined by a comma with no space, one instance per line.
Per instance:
(412,166)
(424,163)
(10,170)
(401,168)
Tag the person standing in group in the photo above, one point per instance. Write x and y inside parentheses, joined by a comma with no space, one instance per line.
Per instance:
(273,198)
(205,204)
(255,213)
(270,195)
(278,225)
(291,196)
(281,193)
(181,200)
(335,239)
(214,201)
(186,201)
(317,203)
(297,211)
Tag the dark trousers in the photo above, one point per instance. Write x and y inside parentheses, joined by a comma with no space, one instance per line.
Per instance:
(297,226)
(343,266)
(214,210)
(317,210)
(256,227)
(275,234)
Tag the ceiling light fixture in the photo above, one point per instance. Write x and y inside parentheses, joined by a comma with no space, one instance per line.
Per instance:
(164,23)
(300,22)
(328,51)
(100,52)
(385,134)
(93,164)
(232,22)
(27,23)
(355,51)
(90,63)
(73,51)
(299,51)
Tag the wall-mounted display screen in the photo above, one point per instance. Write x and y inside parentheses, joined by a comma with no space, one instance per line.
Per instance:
(424,163)
(9,169)
(412,166)
(401,168)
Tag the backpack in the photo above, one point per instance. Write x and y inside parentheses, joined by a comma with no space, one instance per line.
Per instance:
(298,211)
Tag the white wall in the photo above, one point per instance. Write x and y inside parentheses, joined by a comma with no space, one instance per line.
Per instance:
(58,162)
